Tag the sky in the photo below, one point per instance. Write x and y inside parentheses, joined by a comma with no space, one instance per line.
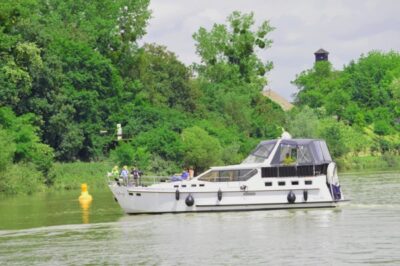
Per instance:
(345,28)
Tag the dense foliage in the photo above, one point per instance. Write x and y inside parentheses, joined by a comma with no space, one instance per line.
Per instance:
(71,70)
(21,146)
(356,109)
(74,69)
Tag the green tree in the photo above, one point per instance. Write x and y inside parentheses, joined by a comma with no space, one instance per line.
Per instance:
(303,123)
(315,83)
(362,95)
(123,154)
(25,142)
(8,150)
(127,154)
(232,75)
(229,52)
(63,62)
(200,149)
(336,103)
(165,80)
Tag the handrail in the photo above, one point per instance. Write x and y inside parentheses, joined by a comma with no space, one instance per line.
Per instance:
(141,181)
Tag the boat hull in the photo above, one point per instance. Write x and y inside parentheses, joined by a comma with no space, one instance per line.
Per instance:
(138,200)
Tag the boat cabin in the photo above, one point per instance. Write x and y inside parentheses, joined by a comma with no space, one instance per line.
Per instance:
(277,158)
(298,157)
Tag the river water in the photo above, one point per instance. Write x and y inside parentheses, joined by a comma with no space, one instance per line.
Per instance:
(53,229)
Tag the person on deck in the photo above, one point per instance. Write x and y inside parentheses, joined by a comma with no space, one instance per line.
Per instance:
(136,173)
(183,176)
(288,160)
(115,172)
(191,172)
(125,174)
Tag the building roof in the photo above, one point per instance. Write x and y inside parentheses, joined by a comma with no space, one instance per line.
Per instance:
(285,104)
(321,51)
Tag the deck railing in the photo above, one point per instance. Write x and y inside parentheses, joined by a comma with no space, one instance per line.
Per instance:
(141,181)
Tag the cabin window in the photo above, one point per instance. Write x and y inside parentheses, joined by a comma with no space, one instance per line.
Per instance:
(281,183)
(268,184)
(130,194)
(176,185)
(288,154)
(323,150)
(308,182)
(228,175)
(293,154)
(304,155)
(138,194)
(194,185)
(183,185)
(261,152)
(295,183)
(201,185)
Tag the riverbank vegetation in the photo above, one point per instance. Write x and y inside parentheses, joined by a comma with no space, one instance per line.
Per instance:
(70,71)
(357,109)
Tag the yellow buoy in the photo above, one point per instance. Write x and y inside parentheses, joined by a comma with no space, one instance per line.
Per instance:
(85,196)
(85,199)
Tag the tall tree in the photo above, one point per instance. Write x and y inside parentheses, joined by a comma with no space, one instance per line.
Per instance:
(63,61)
(165,80)
(229,52)
(232,74)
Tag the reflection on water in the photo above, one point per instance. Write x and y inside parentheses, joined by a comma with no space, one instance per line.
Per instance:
(364,231)
(85,205)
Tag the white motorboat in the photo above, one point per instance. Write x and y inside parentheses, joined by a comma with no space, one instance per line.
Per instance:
(279,174)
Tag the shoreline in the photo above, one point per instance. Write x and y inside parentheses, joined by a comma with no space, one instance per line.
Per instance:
(70,176)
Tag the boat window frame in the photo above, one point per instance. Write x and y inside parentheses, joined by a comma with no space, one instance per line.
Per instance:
(228,175)
(255,157)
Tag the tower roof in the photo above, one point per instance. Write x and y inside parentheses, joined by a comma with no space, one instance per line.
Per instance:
(321,51)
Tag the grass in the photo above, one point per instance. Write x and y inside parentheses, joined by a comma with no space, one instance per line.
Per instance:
(369,162)
(71,175)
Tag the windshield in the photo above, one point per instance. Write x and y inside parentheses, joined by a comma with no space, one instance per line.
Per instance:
(261,152)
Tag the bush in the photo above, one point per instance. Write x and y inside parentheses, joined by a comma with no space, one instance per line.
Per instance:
(333,133)
(391,160)
(382,128)
(25,142)
(127,154)
(21,179)
(123,154)
(161,167)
